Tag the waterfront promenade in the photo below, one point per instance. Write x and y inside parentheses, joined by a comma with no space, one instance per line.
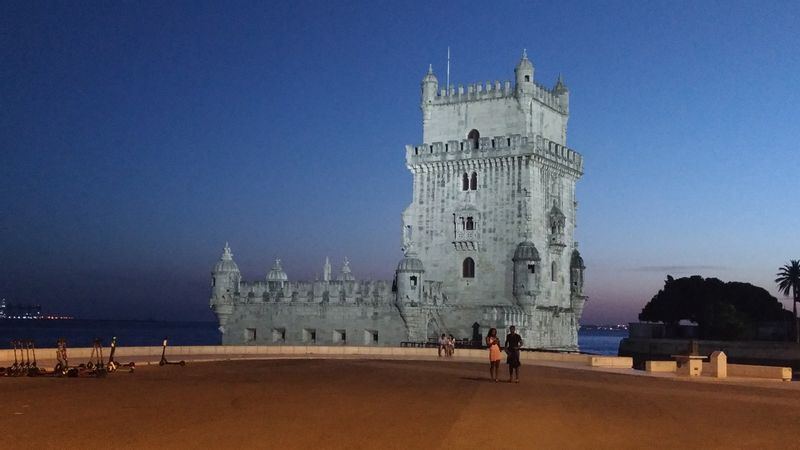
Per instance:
(372,403)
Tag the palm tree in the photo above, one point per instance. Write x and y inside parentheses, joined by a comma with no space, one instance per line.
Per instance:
(789,279)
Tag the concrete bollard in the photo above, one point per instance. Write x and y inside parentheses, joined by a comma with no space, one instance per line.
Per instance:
(719,364)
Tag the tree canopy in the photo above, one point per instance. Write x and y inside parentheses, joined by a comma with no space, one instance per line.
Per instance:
(722,310)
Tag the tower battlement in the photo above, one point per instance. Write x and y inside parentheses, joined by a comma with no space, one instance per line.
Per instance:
(552,98)
(494,147)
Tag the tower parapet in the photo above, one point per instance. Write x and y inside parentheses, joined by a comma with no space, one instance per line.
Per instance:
(488,90)
(493,147)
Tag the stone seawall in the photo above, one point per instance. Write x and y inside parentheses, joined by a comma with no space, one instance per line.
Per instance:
(151,355)
(768,353)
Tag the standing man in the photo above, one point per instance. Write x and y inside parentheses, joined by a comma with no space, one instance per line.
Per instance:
(442,344)
(513,345)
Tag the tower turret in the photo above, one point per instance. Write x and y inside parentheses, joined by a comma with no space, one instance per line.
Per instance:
(326,270)
(408,279)
(577,299)
(225,282)
(276,277)
(346,274)
(429,86)
(526,273)
(562,92)
(524,75)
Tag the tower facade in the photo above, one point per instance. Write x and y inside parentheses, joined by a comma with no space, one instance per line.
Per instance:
(493,211)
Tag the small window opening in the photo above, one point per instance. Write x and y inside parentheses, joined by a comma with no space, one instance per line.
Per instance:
(532,268)
(508,142)
(473,182)
(279,335)
(465,182)
(468,268)
(470,224)
(413,280)
(527,78)
(492,143)
(213,281)
(339,337)
(553,271)
(476,137)
(250,334)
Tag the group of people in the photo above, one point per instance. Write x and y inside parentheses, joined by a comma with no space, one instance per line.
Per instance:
(447,345)
(512,347)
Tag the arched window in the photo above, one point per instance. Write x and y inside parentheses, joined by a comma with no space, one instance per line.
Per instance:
(473,182)
(465,182)
(476,137)
(470,224)
(468,268)
(553,271)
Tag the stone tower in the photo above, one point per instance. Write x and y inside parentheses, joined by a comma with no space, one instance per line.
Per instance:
(225,282)
(488,239)
(493,210)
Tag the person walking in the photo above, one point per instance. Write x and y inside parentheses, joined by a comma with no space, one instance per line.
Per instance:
(513,346)
(442,344)
(495,355)
(451,345)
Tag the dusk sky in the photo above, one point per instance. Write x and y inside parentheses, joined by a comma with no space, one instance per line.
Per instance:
(138,137)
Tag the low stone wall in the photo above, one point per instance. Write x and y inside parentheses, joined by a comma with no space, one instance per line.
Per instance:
(614,362)
(767,353)
(661,366)
(46,356)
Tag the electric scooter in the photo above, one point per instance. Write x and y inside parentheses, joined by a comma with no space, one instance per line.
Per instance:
(164,356)
(95,367)
(62,366)
(114,365)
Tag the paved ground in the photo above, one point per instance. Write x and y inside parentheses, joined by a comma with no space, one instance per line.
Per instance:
(388,404)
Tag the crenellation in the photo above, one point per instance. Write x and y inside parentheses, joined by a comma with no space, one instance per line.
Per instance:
(511,145)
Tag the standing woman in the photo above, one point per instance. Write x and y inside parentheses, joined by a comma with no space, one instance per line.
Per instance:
(493,342)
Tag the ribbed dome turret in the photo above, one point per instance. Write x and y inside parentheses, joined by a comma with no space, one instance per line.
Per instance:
(526,251)
(410,264)
(226,263)
(277,273)
(576,262)
(524,63)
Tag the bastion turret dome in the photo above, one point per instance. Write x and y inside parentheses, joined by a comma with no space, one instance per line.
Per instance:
(277,273)
(526,251)
(524,63)
(410,264)
(226,262)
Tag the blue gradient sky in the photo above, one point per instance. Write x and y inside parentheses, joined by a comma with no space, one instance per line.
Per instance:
(137,137)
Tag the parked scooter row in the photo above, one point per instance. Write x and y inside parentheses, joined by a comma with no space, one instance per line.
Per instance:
(25,361)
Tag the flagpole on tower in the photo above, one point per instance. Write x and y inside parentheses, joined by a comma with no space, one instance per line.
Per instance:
(448,70)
